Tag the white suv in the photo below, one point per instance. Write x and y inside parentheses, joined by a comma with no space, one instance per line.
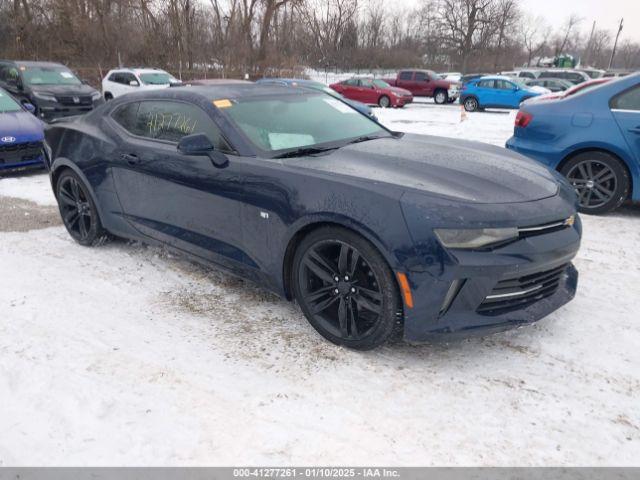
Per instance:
(124,80)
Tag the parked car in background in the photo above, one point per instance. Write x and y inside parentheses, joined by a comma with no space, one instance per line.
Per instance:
(320,87)
(216,82)
(472,76)
(426,83)
(451,76)
(617,73)
(51,88)
(522,74)
(551,84)
(592,138)
(574,76)
(592,72)
(581,87)
(372,91)
(21,135)
(495,92)
(126,80)
(371,231)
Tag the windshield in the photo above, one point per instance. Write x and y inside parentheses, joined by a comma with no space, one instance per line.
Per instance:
(290,122)
(49,76)
(157,78)
(8,104)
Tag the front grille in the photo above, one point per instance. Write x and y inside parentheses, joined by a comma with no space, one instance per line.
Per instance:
(73,100)
(516,293)
(20,152)
(532,231)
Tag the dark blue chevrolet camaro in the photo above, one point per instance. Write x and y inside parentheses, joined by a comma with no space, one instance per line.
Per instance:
(369,230)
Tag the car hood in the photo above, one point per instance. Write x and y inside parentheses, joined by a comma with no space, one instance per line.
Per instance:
(21,127)
(73,90)
(460,170)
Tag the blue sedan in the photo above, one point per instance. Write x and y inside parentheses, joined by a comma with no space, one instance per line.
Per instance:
(21,136)
(592,138)
(312,85)
(496,92)
(371,231)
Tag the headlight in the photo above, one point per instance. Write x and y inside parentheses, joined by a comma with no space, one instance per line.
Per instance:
(96,95)
(475,238)
(44,96)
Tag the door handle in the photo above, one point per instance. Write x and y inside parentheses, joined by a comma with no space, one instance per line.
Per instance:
(635,130)
(130,158)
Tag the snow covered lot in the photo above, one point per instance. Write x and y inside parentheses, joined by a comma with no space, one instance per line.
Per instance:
(124,354)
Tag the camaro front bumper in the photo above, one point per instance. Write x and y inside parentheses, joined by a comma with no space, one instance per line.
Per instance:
(489,291)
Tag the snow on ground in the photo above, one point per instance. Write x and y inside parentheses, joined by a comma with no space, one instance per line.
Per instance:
(35,188)
(124,354)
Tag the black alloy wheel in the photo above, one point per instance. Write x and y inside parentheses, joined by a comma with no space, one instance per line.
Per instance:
(601,182)
(78,212)
(345,288)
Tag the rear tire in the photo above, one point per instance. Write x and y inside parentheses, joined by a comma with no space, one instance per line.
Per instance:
(79,213)
(441,97)
(384,102)
(600,179)
(108,96)
(345,288)
(471,104)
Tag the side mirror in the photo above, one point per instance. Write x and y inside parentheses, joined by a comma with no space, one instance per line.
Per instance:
(134,83)
(198,144)
(29,107)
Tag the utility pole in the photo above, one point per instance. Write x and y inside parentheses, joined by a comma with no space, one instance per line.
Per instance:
(588,52)
(615,45)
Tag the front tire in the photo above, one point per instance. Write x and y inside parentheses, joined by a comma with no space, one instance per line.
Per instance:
(441,97)
(600,179)
(345,288)
(384,102)
(471,104)
(79,213)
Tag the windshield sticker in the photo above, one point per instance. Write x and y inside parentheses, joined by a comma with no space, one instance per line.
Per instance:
(280,141)
(66,74)
(338,105)
(224,103)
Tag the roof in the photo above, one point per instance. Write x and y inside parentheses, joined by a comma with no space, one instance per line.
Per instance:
(138,69)
(29,63)
(234,91)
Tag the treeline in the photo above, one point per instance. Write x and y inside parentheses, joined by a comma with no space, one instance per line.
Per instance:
(233,37)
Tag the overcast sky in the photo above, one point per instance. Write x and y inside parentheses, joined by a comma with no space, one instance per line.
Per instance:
(606,13)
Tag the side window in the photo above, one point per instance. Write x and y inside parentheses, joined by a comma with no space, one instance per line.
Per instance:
(406,76)
(366,83)
(421,77)
(170,121)
(127,78)
(485,84)
(504,85)
(113,77)
(126,116)
(629,100)
(352,82)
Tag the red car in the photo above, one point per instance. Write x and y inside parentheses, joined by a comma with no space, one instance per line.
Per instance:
(425,83)
(570,91)
(373,92)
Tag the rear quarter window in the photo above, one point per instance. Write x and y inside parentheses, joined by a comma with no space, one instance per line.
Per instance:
(629,100)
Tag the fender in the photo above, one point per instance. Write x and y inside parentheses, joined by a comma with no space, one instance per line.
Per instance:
(395,264)
(61,163)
